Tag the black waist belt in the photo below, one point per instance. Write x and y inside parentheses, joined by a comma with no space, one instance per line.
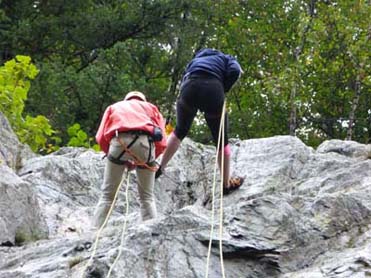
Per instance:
(137,132)
(199,75)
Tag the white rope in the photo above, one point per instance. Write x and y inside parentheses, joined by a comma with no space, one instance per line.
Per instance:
(212,221)
(221,195)
(103,225)
(123,229)
(221,131)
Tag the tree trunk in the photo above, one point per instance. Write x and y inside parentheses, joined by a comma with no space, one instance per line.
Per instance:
(297,52)
(355,102)
(292,120)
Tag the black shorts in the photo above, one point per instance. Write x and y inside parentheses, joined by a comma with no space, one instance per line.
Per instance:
(205,93)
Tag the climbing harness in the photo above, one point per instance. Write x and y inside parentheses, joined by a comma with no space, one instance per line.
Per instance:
(117,160)
(138,162)
(124,176)
(220,138)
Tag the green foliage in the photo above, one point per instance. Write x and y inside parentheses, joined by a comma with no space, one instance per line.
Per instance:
(91,53)
(79,138)
(22,236)
(15,78)
(35,132)
(14,85)
(74,261)
(334,47)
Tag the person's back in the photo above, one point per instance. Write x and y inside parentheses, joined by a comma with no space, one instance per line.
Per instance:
(130,115)
(216,63)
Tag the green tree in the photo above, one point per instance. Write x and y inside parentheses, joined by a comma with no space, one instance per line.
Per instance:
(92,53)
(15,78)
(79,138)
(306,62)
(312,55)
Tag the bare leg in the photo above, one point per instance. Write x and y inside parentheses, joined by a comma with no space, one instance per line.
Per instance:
(173,144)
(226,167)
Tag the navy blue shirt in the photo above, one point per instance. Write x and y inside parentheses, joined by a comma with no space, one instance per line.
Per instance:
(224,67)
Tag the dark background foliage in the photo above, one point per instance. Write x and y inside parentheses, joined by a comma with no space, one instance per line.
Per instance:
(306,63)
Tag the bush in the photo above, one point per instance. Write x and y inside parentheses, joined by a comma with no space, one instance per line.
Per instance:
(79,138)
(15,78)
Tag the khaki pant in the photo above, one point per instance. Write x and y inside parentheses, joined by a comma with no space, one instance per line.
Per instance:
(143,150)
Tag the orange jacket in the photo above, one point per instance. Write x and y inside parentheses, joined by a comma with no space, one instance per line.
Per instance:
(129,115)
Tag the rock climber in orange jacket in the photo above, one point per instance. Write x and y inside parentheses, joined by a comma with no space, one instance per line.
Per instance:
(132,134)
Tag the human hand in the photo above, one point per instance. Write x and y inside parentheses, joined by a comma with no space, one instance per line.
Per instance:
(158,172)
(130,165)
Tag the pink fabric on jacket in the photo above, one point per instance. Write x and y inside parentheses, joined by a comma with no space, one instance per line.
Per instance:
(129,115)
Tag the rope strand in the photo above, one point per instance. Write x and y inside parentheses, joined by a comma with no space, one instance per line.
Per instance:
(126,174)
(221,196)
(221,131)
(123,228)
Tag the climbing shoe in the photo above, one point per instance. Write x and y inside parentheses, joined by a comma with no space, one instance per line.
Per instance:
(233,184)
(158,172)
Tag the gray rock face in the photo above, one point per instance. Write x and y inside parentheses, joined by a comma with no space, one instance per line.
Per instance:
(20,218)
(346,148)
(12,152)
(67,184)
(300,213)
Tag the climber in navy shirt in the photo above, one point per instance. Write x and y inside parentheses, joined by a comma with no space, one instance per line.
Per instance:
(206,80)
(215,63)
